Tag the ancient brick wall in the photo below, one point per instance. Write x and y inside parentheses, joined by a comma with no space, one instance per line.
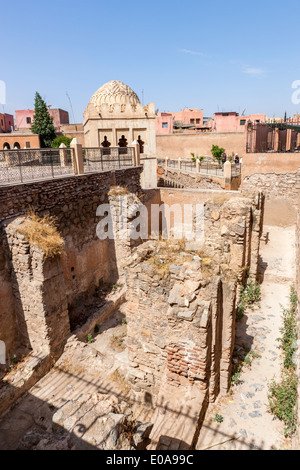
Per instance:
(86,261)
(181,305)
(39,293)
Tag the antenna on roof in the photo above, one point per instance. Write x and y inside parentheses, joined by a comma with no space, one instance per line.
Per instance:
(243,113)
(73,117)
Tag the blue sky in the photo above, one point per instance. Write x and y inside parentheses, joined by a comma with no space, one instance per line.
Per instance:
(219,56)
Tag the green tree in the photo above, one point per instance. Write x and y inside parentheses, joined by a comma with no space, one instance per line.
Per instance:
(217,152)
(42,122)
(61,139)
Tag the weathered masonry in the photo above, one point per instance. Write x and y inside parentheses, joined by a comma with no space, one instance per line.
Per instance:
(182,301)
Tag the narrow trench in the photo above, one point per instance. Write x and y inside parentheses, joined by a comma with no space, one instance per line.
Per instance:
(246,422)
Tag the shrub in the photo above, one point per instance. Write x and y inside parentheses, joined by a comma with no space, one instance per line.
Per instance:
(283,399)
(283,395)
(61,139)
(217,152)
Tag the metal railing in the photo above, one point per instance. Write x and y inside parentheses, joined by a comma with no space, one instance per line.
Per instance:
(208,168)
(104,159)
(21,166)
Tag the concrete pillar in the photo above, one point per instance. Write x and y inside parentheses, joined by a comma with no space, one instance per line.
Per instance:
(288,140)
(197,165)
(63,155)
(227,175)
(166,163)
(179,163)
(77,157)
(137,158)
(276,140)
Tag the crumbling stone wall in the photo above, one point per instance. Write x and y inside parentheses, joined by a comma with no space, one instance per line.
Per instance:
(181,302)
(39,292)
(180,327)
(274,185)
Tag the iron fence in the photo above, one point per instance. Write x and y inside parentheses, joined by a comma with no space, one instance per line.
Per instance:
(104,159)
(20,166)
(208,168)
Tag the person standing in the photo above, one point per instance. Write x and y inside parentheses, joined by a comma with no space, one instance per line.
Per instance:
(224,158)
(237,160)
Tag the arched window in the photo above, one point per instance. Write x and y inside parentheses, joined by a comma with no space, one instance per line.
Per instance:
(6,146)
(17,145)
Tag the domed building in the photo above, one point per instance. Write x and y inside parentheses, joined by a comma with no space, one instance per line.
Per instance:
(115,117)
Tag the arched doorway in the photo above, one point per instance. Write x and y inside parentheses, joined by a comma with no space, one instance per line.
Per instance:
(6,146)
(17,146)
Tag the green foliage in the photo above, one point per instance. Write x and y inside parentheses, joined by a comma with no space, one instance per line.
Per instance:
(61,139)
(283,400)
(217,152)
(249,295)
(288,340)
(250,356)
(124,321)
(195,158)
(236,376)
(218,418)
(43,122)
(283,395)
(90,339)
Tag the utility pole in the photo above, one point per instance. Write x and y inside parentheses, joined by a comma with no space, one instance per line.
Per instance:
(73,117)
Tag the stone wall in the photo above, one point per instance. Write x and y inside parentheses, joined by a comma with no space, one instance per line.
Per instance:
(39,293)
(86,262)
(274,185)
(181,145)
(181,301)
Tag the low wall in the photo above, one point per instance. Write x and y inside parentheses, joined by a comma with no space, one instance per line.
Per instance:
(270,163)
(181,145)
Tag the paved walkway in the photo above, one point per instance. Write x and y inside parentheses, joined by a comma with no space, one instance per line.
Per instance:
(247,423)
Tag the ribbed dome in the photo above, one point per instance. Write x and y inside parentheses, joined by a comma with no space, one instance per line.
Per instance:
(115,92)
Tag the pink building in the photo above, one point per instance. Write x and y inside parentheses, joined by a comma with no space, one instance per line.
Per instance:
(164,123)
(6,123)
(232,122)
(190,118)
(24,118)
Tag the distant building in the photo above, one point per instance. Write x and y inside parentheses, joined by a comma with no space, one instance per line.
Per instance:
(24,118)
(19,140)
(164,123)
(6,123)
(186,119)
(233,122)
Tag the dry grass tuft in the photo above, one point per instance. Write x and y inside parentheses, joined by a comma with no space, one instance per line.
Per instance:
(171,251)
(118,191)
(42,232)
